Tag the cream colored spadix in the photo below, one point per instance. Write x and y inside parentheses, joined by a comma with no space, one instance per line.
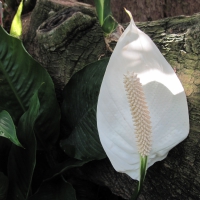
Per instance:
(142,107)
(139,112)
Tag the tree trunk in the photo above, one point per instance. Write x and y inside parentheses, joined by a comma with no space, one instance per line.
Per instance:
(63,43)
(64,36)
(145,10)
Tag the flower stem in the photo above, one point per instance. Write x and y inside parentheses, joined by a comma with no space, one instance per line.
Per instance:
(143,166)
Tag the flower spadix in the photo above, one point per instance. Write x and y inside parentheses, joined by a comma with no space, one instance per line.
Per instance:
(142,108)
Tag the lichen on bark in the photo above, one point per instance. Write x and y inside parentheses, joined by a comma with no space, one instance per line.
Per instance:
(66,38)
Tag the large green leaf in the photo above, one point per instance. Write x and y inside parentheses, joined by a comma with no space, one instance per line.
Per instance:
(62,167)
(3,186)
(21,162)
(55,189)
(79,113)
(7,128)
(20,77)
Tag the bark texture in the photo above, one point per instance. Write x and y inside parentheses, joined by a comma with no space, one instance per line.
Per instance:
(146,10)
(64,37)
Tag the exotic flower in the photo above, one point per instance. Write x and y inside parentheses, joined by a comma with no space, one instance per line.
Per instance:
(139,112)
(142,109)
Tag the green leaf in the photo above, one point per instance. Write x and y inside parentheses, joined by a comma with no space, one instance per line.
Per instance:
(20,77)
(106,20)
(55,189)
(21,162)
(109,24)
(62,167)
(7,128)
(3,186)
(79,113)
(103,9)
(16,26)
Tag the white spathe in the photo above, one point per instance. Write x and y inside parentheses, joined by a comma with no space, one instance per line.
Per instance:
(165,97)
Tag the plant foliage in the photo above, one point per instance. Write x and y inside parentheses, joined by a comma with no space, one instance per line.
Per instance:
(7,128)
(20,77)
(30,124)
(27,102)
(16,26)
(106,20)
(79,113)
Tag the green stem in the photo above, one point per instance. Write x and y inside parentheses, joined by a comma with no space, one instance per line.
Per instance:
(143,166)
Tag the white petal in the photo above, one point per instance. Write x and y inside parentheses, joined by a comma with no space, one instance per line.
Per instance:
(165,98)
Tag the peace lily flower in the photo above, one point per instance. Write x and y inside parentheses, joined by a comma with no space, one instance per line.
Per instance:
(142,110)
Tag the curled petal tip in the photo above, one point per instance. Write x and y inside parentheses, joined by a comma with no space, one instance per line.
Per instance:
(129,13)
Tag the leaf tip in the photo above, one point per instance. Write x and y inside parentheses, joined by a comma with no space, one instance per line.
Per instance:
(20,145)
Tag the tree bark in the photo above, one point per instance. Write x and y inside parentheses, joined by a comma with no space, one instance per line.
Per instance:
(81,42)
(145,10)
(64,36)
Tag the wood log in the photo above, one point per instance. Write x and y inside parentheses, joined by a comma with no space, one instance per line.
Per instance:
(64,36)
(63,53)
